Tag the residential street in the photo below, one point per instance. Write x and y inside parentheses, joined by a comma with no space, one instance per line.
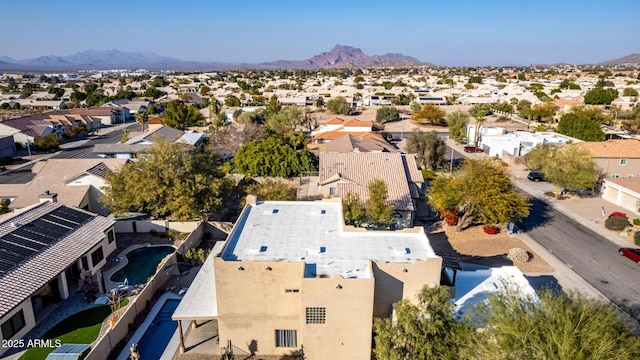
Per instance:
(590,255)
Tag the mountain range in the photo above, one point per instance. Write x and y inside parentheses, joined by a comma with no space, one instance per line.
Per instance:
(338,57)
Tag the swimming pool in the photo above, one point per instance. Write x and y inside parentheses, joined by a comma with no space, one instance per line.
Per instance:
(155,339)
(143,263)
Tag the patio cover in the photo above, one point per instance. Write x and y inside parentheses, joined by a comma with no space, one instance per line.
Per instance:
(200,301)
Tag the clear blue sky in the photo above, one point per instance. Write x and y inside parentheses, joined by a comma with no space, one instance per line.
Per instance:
(443,32)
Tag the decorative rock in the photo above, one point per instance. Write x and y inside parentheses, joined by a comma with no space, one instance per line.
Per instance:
(518,255)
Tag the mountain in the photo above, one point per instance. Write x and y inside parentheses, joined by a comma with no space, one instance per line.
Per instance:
(102,59)
(345,56)
(339,56)
(629,59)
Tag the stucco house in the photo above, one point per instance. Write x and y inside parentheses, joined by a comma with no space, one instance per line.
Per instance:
(616,158)
(292,278)
(47,251)
(343,173)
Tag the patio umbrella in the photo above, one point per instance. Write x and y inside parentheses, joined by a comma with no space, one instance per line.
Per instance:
(178,269)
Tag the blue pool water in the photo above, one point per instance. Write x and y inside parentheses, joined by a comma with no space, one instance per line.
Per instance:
(155,339)
(143,263)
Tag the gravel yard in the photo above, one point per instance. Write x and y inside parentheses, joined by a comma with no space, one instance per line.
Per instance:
(474,246)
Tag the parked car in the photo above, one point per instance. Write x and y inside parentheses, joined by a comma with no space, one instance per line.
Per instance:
(472,149)
(631,253)
(535,176)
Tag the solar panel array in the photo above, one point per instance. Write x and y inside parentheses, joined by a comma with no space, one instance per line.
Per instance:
(29,239)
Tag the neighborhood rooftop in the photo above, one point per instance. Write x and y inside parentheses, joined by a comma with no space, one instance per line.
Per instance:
(313,233)
(41,242)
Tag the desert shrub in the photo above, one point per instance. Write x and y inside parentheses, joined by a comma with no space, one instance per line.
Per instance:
(636,222)
(636,238)
(616,223)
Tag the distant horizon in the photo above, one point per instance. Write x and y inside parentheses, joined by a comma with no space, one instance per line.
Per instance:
(467,33)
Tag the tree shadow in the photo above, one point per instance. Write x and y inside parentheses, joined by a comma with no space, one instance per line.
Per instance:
(539,215)
(544,282)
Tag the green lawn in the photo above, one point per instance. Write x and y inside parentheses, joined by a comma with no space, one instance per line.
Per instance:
(80,328)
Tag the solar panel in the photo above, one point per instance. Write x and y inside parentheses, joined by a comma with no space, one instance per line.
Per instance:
(68,213)
(29,239)
(22,232)
(24,242)
(18,250)
(60,221)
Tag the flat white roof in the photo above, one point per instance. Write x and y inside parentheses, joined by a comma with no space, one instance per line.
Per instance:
(312,232)
(193,305)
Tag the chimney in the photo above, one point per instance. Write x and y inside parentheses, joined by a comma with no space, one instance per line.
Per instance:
(48,196)
(252,199)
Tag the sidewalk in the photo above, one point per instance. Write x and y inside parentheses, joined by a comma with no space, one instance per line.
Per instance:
(586,211)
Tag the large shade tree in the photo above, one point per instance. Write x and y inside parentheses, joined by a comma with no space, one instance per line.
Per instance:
(423,330)
(180,116)
(430,114)
(580,127)
(168,180)
(567,167)
(428,147)
(551,326)
(482,191)
(457,122)
(274,156)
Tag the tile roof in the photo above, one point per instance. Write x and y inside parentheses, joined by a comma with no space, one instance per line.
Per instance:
(356,122)
(31,125)
(350,143)
(54,176)
(30,275)
(627,148)
(354,171)
(118,148)
(632,184)
(334,134)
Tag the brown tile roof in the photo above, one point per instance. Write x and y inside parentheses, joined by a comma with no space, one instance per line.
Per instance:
(332,135)
(335,120)
(354,171)
(626,148)
(350,143)
(356,122)
(29,276)
(53,175)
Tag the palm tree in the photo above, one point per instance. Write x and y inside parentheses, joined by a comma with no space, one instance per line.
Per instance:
(479,121)
(142,117)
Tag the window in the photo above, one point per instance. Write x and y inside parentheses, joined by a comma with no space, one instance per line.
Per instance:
(85,263)
(287,338)
(13,325)
(291,291)
(316,315)
(97,256)
(333,191)
(615,176)
(110,236)
(623,161)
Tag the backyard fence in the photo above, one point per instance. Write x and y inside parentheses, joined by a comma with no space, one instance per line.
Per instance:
(102,347)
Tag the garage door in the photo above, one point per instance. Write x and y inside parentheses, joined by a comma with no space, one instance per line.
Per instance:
(627,201)
(610,194)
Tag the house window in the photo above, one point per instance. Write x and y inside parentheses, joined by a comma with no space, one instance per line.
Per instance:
(97,256)
(623,161)
(13,325)
(316,315)
(615,176)
(287,338)
(110,236)
(333,191)
(85,263)
(288,291)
